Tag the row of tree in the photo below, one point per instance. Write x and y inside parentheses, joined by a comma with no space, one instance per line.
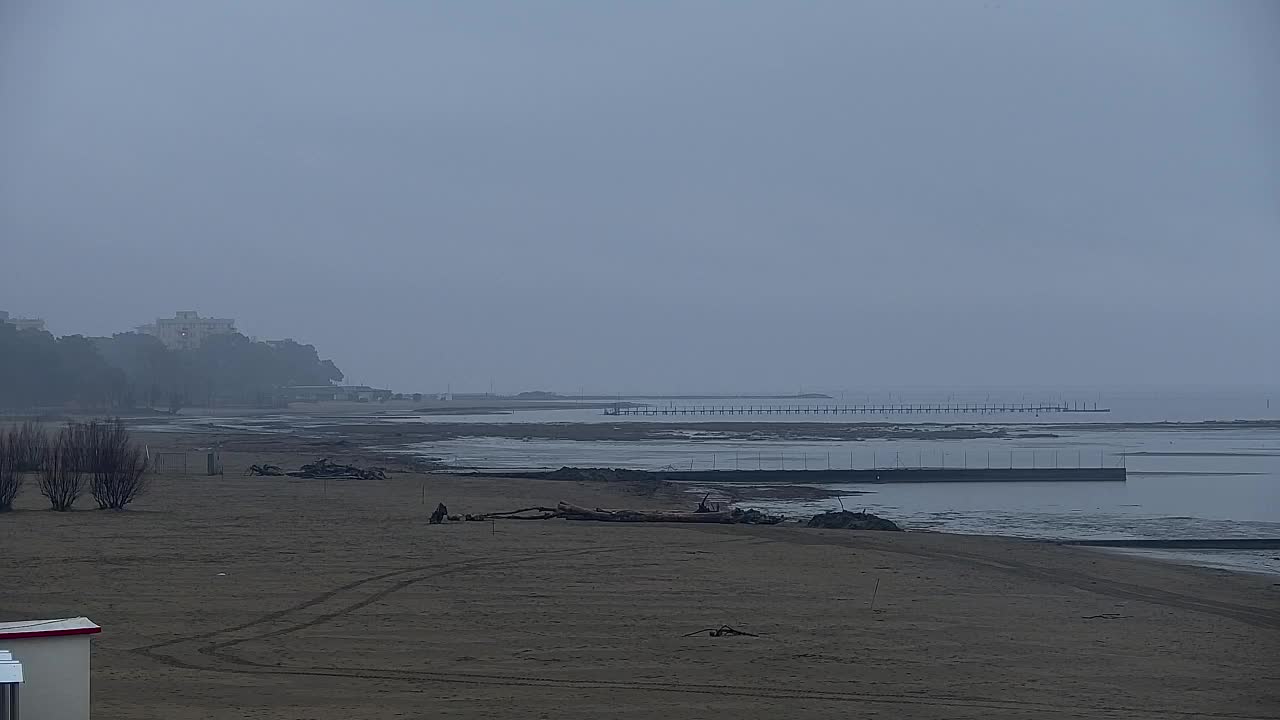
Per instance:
(96,454)
(131,370)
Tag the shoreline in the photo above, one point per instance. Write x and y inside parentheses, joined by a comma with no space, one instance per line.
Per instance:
(391,446)
(1181,544)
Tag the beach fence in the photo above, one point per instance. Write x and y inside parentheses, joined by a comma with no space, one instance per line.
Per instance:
(170,463)
(203,461)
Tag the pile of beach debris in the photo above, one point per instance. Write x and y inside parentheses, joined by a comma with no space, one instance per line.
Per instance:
(322,469)
(848,520)
(566,511)
(595,474)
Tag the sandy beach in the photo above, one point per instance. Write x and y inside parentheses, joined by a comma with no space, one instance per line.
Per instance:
(283,598)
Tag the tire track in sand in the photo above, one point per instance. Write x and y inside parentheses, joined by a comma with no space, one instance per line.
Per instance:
(1247,614)
(287,614)
(195,654)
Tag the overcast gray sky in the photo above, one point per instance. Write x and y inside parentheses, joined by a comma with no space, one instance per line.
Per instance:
(652,195)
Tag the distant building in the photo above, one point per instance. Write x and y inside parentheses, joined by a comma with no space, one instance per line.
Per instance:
(186,329)
(21,323)
(351,393)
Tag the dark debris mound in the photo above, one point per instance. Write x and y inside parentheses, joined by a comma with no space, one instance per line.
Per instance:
(588,474)
(848,520)
(324,468)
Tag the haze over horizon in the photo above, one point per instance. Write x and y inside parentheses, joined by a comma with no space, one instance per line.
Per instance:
(657,196)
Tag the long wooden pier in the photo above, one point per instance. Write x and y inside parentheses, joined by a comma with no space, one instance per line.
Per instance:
(837,409)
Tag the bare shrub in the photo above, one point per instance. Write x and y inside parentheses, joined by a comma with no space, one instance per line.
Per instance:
(10,478)
(28,445)
(61,477)
(117,465)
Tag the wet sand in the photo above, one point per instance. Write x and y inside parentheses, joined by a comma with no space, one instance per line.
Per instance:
(339,601)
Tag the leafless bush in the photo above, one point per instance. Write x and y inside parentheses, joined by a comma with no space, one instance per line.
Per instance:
(28,445)
(61,477)
(10,478)
(116,464)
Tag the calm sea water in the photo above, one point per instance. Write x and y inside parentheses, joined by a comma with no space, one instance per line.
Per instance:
(1185,480)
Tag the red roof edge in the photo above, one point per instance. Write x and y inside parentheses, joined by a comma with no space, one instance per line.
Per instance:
(48,633)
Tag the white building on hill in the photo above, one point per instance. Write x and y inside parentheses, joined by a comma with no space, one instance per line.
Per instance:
(186,329)
(21,323)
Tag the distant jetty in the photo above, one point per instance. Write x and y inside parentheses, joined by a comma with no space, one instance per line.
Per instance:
(828,477)
(919,409)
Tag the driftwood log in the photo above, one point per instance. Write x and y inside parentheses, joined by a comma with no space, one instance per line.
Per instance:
(722,631)
(266,469)
(569,511)
(576,512)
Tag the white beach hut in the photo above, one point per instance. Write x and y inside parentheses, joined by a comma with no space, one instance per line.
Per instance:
(54,658)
